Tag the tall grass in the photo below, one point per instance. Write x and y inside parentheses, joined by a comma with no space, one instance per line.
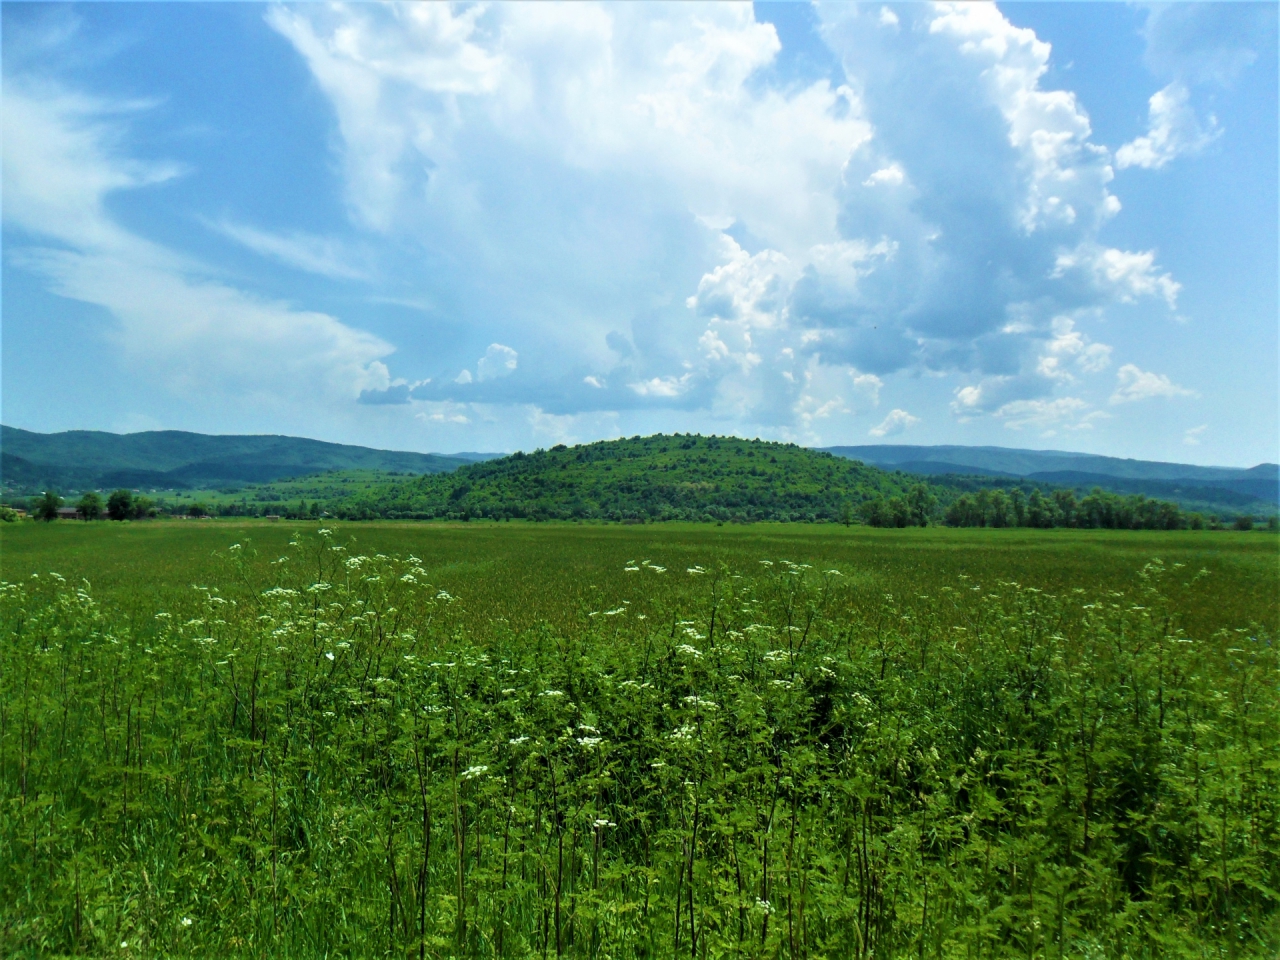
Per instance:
(332,759)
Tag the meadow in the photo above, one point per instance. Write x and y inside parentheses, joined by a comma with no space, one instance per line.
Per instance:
(514,739)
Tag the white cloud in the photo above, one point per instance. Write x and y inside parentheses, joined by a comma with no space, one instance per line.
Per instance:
(320,255)
(1040,414)
(1123,275)
(463,377)
(1134,384)
(1193,436)
(201,337)
(1172,130)
(498,361)
(1070,346)
(593,381)
(895,423)
(662,386)
(891,176)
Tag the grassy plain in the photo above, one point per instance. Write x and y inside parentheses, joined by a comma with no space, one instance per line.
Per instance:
(527,572)
(511,739)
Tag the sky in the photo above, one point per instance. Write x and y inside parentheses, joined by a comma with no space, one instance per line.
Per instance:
(491,227)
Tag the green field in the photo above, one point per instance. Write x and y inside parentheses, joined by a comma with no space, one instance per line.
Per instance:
(598,740)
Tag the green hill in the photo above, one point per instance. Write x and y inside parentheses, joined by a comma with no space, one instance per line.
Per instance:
(651,478)
(1229,489)
(177,460)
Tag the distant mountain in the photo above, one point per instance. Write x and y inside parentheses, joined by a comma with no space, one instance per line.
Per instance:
(1185,483)
(176,460)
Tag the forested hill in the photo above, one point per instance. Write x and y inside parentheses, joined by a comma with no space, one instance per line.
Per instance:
(651,478)
(176,460)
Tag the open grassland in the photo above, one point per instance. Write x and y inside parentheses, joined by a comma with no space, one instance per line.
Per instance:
(262,740)
(532,572)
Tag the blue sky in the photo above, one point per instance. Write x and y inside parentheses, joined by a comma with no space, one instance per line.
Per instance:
(497,227)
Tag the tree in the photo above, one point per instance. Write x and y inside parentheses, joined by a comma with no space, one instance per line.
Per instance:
(90,506)
(1243,522)
(846,513)
(47,506)
(1273,524)
(120,504)
(143,507)
(196,510)
(921,504)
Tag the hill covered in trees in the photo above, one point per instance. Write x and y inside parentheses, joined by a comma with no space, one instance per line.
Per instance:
(178,460)
(727,479)
(1193,487)
(650,478)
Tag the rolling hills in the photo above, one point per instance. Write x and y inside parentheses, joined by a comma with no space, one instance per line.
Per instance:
(177,460)
(1193,486)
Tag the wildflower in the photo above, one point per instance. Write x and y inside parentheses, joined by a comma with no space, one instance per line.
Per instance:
(507,691)
(657,569)
(588,742)
(614,613)
(604,823)
(695,570)
(689,651)
(763,906)
(233,547)
(472,772)
(319,587)
(328,654)
(631,569)
(186,921)
(325,532)
(551,693)
(517,741)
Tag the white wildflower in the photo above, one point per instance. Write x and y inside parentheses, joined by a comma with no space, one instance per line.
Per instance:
(472,772)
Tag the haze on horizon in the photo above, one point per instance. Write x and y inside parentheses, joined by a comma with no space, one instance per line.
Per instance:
(492,227)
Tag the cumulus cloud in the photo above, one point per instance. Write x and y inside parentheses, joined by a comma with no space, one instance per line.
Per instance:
(1134,384)
(1173,130)
(895,423)
(1194,46)
(64,157)
(1040,414)
(498,361)
(1193,435)
(680,233)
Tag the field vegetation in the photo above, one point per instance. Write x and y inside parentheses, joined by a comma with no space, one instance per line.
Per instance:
(260,740)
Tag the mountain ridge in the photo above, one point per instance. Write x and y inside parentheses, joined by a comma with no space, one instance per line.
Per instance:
(179,459)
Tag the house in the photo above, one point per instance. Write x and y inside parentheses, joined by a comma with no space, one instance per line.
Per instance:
(68,513)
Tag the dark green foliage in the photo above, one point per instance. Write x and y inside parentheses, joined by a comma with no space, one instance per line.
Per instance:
(1097,511)
(46,508)
(651,478)
(90,506)
(724,479)
(120,504)
(767,762)
(177,460)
